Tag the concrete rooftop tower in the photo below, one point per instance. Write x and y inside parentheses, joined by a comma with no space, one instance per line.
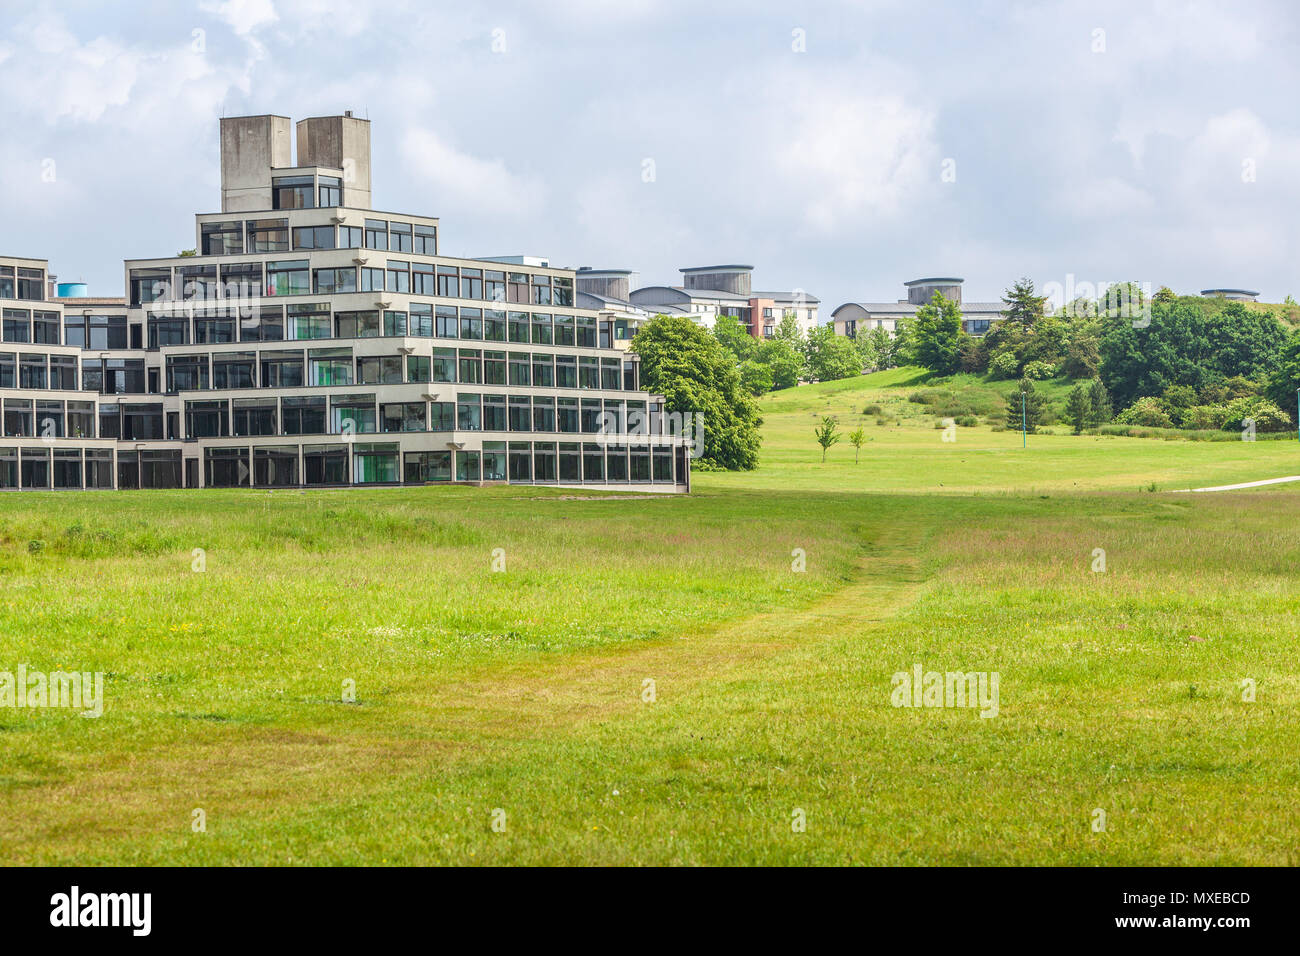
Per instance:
(256,156)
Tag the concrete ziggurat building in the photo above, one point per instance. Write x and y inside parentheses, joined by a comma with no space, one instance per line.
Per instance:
(315,341)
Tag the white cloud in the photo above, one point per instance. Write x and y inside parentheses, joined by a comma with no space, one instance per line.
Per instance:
(242,16)
(468,181)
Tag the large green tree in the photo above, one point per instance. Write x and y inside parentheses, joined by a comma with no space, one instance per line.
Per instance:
(1023,307)
(734,338)
(694,373)
(936,335)
(831,356)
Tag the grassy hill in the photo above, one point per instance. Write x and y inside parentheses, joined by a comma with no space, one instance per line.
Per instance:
(905,450)
(653,680)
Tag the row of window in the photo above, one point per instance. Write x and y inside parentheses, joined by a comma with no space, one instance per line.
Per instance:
(361,414)
(18,283)
(246,280)
(315,320)
(335,415)
(290,466)
(378,463)
(236,237)
(289,368)
(302,321)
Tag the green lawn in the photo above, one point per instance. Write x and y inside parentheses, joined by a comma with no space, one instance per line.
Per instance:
(525,691)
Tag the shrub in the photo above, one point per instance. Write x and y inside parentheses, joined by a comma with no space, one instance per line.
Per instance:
(1147,412)
(1266,416)
(1205,416)
(1004,365)
(871,410)
(1040,370)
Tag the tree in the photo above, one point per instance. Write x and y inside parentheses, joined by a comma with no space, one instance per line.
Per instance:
(784,361)
(876,348)
(831,356)
(693,372)
(1032,405)
(788,329)
(1023,308)
(755,377)
(733,337)
(1077,409)
(936,335)
(1099,407)
(827,434)
(857,438)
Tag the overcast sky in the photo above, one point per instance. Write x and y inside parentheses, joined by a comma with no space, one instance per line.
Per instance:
(840,148)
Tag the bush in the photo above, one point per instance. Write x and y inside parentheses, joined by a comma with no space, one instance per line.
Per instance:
(1004,365)
(968,421)
(1204,416)
(1040,370)
(871,410)
(1146,412)
(1266,416)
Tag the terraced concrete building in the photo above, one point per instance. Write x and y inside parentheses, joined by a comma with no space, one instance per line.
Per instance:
(312,340)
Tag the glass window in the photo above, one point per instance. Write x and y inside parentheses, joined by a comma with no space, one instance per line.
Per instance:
(350,237)
(420,320)
(494,461)
(376,234)
(543,370)
(494,413)
(471,368)
(292,192)
(325,464)
(334,281)
(471,324)
(399,236)
(254,416)
(308,320)
(330,189)
(402,417)
(399,276)
(444,365)
(468,466)
(268,235)
(521,466)
(291,277)
(442,416)
(303,415)
(417,368)
(356,325)
(521,417)
(353,414)
(468,412)
(17,325)
(313,237)
(426,240)
(329,366)
(222,238)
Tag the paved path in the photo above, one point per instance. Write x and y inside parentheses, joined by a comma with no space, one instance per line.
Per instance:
(1244,484)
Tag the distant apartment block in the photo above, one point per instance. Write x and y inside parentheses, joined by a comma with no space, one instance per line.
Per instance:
(977,317)
(315,341)
(705,293)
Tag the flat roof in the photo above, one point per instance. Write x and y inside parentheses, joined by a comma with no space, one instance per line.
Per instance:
(714,268)
(931,281)
(1226,291)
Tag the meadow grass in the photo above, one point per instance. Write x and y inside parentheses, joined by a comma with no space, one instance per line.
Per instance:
(525,691)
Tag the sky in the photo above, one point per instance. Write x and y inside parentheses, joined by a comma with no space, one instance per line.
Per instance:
(840,148)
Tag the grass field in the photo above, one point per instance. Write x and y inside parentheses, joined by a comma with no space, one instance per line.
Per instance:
(522,696)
